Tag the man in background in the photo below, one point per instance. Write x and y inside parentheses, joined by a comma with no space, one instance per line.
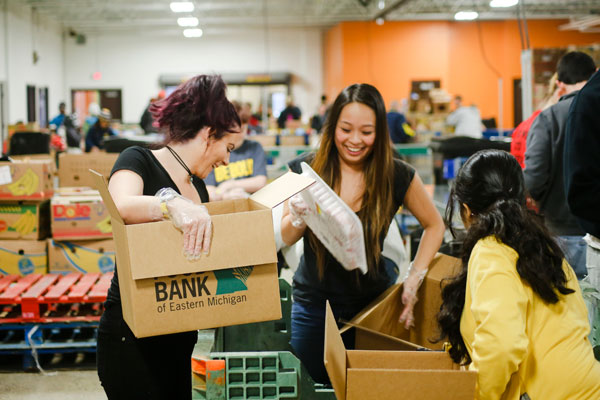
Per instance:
(465,119)
(544,160)
(94,139)
(400,131)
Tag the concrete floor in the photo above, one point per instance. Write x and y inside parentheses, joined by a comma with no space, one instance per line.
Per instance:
(65,385)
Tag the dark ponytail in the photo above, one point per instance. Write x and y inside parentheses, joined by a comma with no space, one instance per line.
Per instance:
(491,184)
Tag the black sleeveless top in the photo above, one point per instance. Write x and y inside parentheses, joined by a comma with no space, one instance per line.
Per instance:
(141,161)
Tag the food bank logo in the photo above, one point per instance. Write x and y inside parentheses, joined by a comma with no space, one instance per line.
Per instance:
(228,281)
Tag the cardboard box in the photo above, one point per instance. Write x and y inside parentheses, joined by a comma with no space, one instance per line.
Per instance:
(293,140)
(397,365)
(264,140)
(81,256)
(163,292)
(73,169)
(26,180)
(24,220)
(23,257)
(383,313)
(80,217)
(44,157)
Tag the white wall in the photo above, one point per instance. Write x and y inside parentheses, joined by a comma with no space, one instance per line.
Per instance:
(134,61)
(16,61)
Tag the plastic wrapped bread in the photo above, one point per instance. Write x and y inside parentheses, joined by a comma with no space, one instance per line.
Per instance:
(334,223)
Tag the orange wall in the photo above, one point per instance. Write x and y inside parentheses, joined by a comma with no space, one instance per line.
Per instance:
(390,56)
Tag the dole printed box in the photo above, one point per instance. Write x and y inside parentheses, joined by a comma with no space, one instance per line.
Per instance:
(80,217)
(236,283)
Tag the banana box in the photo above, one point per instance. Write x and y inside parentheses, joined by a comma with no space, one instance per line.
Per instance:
(81,256)
(24,220)
(26,180)
(73,169)
(23,257)
(80,217)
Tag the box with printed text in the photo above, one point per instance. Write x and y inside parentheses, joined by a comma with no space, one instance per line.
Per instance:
(86,256)
(23,257)
(26,180)
(236,283)
(24,220)
(80,217)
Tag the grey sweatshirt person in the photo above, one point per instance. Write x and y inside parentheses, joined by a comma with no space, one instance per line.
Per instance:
(544,167)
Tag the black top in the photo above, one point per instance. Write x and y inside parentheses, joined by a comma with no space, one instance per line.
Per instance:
(582,147)
(141,161)
(339,286)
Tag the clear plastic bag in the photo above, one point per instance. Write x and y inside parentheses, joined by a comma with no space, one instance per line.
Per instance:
(334,223)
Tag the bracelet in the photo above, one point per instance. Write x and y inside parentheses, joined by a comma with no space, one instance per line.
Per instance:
(164,209)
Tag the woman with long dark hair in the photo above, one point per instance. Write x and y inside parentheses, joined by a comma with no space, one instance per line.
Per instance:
(515,312)
(200,127)
(355,160)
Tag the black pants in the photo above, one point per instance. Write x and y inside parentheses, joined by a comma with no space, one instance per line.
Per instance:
(153,368)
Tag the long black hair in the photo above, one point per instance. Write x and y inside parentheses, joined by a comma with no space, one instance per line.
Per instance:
(490,183)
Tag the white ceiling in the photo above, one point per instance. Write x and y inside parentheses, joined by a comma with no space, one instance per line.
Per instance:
(217,16)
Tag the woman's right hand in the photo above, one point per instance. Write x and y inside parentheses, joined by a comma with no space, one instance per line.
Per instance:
(195,223)
(298,210)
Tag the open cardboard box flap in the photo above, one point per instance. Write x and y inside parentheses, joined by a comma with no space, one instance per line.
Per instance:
(154,249)
(383,313)
(410,375)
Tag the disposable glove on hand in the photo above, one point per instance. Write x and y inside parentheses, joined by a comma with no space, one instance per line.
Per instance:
(193,220)
(411,285)
(298,209)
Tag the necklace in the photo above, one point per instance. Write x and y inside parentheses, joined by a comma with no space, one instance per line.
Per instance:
(180,161)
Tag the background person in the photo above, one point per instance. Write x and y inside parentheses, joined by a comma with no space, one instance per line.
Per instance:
(200,125)
(515,312)
(247,169)
(94,138)
(465,119)
(355,160)
(544,160)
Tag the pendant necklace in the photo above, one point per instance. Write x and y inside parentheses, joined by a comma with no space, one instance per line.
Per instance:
(180,161)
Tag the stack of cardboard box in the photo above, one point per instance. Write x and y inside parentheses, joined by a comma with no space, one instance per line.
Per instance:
(26,186)
(81,227)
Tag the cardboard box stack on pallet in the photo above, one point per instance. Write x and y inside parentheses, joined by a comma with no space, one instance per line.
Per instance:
(26,186)
(81,227)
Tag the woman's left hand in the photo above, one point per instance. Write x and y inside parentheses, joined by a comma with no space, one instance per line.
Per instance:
(411,285)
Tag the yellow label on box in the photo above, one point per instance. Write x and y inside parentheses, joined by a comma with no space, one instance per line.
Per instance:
(81,258)
(11,262)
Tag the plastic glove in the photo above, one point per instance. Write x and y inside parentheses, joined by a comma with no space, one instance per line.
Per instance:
(298,209)
(193,220)
(411,285)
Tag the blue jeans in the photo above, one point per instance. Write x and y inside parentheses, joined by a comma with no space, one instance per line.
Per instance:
(574,248)
(308,335)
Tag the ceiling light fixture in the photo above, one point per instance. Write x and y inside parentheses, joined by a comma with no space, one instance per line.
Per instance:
(182,6)
(503,3)
(466,15)
(381,4)
(192,33)
(187,21)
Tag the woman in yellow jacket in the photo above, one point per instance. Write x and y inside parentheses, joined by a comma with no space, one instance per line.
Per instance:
(515,313)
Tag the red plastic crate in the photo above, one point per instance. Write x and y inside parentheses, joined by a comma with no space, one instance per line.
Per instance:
(53,297)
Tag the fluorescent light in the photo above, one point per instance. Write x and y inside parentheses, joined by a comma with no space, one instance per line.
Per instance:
(182,6)
(503,3)
(187,21)
(466,15)
(195,32)
(381,4)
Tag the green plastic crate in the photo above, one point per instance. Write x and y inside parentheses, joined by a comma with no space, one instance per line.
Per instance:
(260,375)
